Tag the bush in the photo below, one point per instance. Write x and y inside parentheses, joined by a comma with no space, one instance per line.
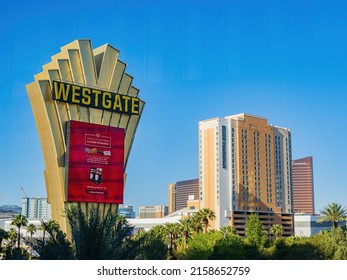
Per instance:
(230,247)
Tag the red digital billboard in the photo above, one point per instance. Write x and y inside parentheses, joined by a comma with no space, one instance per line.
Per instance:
(95,162)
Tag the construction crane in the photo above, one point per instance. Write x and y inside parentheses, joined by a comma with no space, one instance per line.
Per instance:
(25,195)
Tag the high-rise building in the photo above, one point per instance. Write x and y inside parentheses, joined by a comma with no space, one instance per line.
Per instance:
(172,198)
(303,192)
(158,211)
(181,192)
(36,208)
(126,211)
(244,168)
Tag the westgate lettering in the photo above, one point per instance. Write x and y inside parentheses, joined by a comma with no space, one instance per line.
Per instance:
(95,98)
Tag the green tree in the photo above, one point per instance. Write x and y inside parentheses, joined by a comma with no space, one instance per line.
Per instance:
(19,221)
(56,246)
(185,229)
(299,248)
(331,244)
(31,229)
(196,223)
(277,230)
(96,237)
(42,228)
(255,232)
(201,246)
(151,245)
(230,247)
(205,216)
(3,235)
(228,231)
(12,236)
(334,213)
(173,230)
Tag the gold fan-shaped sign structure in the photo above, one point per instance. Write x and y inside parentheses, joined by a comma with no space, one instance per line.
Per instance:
(86,111)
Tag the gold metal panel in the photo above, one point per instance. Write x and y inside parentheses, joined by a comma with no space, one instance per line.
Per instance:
(51,174)
(117,76)
(108,57)
(133,91)
(54,121)
(114,86)
(66,75)
(130,132)
(109,60)
(125,84)
(124,89)
(64,69)
(89,73)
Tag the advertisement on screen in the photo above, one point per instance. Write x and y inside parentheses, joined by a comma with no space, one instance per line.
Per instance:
(95,161)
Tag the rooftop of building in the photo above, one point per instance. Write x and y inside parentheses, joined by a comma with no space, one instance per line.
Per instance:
(242,116)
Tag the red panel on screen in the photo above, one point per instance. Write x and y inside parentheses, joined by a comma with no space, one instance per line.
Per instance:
(95,163)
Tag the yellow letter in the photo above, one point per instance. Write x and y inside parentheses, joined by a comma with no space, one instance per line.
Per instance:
(97,93)
(61,91)
(135,106)
(86,96)
(106,102)
(75,94)
(117,103)
(126,99)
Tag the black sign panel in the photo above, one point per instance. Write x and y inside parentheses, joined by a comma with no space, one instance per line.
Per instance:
(95,98)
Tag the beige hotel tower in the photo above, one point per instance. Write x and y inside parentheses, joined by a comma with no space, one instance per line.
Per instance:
(245,168)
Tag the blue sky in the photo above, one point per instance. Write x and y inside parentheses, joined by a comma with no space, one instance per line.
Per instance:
(191,60)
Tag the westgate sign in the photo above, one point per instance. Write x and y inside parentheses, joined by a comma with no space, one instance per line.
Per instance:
(86,93)
(95,98)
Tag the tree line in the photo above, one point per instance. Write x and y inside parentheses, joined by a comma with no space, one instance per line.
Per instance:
(94,237)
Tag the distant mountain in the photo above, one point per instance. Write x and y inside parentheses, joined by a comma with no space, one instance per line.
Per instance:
(11,208)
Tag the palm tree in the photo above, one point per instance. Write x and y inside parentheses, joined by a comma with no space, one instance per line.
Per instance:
(205,216)
(12,236)
(31,229)
(57,246)
(277,230)
(197,224)
(228,231)
(173,230)
(94,236)
(43,228)
(185,228)
(19,221)
(334,213)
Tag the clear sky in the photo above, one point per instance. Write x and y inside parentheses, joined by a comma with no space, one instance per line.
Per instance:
(191,60)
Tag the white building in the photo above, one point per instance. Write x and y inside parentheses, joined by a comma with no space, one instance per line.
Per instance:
(36,208)
(306,225)
(148,223)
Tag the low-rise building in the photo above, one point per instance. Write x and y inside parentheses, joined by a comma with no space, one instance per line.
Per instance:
(307,225)
(158,211)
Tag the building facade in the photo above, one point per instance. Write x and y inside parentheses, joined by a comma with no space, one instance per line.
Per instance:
(306,225)
(303,191)
(36,208)
(158,211)
(245,168)
(179,193)
(127,211)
